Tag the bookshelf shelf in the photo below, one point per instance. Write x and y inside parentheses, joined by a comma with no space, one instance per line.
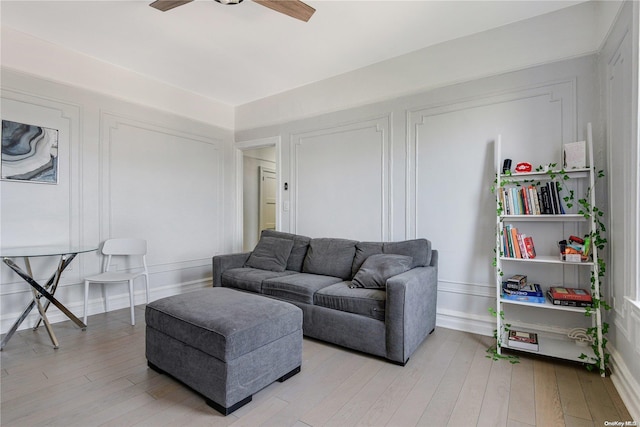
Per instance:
(544,218)
(556,346)
(548,305)
(543,206)
(546,175)
(542,259)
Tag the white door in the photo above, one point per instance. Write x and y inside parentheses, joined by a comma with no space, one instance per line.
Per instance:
(267,199)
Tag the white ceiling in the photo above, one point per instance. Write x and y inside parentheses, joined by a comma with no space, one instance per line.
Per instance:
(240,53)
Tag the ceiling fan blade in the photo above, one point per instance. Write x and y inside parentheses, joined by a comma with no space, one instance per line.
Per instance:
(165,5)
(293,8)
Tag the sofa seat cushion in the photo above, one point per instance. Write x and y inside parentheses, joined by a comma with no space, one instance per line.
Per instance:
(299,287)
(330,257)
(363,301)
(249,279)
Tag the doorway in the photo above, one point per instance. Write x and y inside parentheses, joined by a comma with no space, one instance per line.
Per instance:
(259,193)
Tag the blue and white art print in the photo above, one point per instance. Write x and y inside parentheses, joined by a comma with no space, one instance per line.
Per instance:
(29,153)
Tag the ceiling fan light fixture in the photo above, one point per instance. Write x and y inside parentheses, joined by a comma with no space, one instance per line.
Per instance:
(229,1)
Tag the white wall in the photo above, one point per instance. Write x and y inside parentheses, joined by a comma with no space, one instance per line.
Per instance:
(619,81)
(125,170)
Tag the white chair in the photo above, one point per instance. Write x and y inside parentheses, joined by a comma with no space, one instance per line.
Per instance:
(126,248)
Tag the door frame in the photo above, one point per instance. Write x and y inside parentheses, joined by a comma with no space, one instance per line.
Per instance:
(239,149)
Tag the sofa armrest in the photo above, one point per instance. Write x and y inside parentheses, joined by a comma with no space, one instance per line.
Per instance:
(411,309)
(222,263)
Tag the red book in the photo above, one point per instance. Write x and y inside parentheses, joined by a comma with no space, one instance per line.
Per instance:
(528,244)
(571,294)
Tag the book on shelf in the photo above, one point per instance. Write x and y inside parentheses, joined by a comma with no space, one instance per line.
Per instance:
(517,245)
(568,302)
(514,243)
(516,281)
(530,249)
(546,204)
(529,293)
(572,294)
(523,340)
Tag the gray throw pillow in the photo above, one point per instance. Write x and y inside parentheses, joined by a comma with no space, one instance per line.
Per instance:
(378,268)
(270,254)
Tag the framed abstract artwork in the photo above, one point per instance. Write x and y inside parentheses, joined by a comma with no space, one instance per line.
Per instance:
(29,153)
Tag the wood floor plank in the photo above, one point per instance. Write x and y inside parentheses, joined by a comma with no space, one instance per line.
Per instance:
(598,400)
(467,408)
(522,402)
(616,399)
(572,398)
(333,402)
(100,377)
(446,395)
(437,361)
(548,405)
(497,397)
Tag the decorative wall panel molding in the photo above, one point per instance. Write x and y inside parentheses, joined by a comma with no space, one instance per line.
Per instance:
(343,170)
(139,177)
(41,214)
(460,134)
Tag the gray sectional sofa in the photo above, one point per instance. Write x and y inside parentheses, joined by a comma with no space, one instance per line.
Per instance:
(374,297)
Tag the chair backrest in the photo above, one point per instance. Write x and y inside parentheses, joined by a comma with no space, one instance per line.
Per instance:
(125,247)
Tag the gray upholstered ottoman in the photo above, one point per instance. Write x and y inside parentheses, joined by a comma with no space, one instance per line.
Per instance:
(224,344)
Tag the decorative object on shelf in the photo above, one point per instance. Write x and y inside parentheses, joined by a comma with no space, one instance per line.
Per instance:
(29,153)
(580,336)
(506,166)
(575,155)
(524,167)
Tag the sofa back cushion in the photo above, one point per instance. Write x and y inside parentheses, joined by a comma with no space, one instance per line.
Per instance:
(330,257)
(418,249)
(299,250)
(270,254)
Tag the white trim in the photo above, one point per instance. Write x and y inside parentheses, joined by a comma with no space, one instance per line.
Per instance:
(466,322)
(628,388)
(239,148)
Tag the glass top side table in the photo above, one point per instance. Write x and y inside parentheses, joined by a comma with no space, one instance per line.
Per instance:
(66,253)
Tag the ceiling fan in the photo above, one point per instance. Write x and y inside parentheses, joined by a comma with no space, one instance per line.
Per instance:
(294,8)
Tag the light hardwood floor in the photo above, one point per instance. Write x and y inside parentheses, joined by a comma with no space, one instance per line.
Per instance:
(100,377)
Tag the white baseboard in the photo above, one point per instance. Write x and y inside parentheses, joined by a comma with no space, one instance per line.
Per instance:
(461,321)
(97,306)
(625,383)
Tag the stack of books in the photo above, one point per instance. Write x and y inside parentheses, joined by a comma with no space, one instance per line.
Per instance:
(523,340)
(517,245)
(528,293)
(571,297)
(544,199)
